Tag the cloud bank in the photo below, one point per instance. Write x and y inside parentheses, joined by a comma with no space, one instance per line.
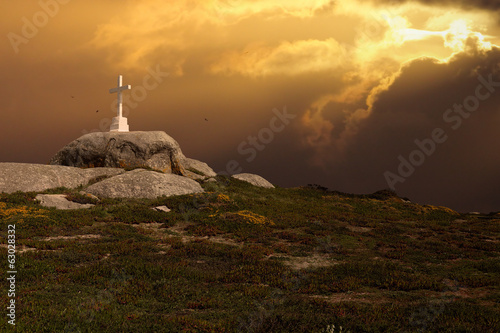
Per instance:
(425,95)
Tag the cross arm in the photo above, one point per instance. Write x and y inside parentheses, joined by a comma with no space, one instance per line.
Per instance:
(115,90)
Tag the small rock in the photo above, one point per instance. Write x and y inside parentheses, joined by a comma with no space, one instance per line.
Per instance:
(254,180)
(199,166)
(162,209)
(211,180)
(59,201)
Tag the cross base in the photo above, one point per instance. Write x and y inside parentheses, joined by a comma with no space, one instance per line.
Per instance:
(119,124)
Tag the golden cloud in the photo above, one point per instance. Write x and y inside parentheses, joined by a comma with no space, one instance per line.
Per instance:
(148,27)
(333,120)
(288,58)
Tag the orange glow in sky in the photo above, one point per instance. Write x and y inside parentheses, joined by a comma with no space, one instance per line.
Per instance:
(342,67)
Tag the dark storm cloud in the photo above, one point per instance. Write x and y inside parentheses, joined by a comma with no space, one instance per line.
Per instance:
(467,4)
(425,96)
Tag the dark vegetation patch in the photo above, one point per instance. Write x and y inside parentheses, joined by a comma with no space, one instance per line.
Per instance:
(243,259)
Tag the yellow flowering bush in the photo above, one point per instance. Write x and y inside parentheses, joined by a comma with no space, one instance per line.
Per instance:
(250,217)
(223,197)
(7,212)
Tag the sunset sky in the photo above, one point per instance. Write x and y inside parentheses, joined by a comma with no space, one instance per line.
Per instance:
(371,94)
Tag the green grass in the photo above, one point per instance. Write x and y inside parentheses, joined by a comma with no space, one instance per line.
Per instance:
(244,259)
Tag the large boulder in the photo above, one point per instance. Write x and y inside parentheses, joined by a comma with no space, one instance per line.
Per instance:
(26,177)
(155,150)
(142,183)
(254,180)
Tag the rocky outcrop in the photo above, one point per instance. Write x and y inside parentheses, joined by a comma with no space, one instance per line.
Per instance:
(104,182)
(99,162)
(109,182)
(141,183)
(26,177)
(254,180)
(155,150)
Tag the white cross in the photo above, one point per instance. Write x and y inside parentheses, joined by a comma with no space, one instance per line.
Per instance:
(119,90)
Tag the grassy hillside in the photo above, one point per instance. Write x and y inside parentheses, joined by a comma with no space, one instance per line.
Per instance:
(244,259)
